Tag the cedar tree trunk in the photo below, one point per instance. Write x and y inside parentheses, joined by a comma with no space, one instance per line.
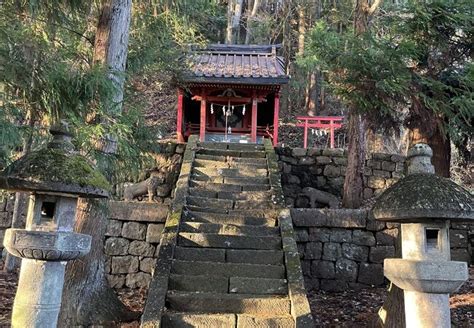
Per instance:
(353,182)
(234,12)
(87,297)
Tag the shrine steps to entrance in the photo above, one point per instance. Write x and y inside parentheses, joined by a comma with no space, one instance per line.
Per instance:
(227,257)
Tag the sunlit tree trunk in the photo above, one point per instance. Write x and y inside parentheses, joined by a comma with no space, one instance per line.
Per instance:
(234,12)
(87,297)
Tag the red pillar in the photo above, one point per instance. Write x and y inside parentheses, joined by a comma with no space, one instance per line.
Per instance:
(276,114)
(253,131)
(331,129)
(305,135)
(179,118)
(202,127)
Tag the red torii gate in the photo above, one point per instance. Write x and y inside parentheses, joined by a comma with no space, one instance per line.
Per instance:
(320,122)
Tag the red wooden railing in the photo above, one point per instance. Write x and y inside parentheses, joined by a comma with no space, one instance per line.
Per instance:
(265,131)
(319,122)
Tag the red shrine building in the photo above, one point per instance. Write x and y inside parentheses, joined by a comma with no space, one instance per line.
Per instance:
(231,93)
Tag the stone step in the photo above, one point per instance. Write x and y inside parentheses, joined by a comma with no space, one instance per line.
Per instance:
(220,164)
(201,254)
(198,320)
(228,172)
(242,181)
(200,268)
(210,284)
(228,187)
(257,212)
(261,286)
(234,195)
(229,303)
(209,202)
(272,321)
(246,195)
(255,204)
(190,239)
(247,181)
(227,320)
(248,256)
(232,146)
(230,159)
(228,229)
(221,218)
(232,153)
(223,285)
(254,256)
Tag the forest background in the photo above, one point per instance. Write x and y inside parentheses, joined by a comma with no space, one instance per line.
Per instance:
(407,69)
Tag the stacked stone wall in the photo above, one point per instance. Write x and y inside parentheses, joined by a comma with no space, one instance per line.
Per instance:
(131,240)
(344,248)
(324,169)
(166,160)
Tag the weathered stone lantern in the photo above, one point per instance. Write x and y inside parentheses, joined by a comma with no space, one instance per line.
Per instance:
(55,177)
(425,204)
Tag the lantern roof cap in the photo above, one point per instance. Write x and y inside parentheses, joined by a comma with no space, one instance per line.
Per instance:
(422,196)
(58,168)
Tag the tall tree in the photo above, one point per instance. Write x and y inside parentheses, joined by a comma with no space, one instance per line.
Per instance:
(87,297)
(354,180)
(234,13)
(250,19)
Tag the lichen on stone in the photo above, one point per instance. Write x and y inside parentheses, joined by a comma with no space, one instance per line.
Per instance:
(424,193)
(54,165)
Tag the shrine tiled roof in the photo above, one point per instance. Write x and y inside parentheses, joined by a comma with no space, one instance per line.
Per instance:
(243,64)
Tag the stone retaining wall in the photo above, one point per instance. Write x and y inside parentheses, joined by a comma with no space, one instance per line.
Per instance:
(166,163)
(324,169)
(343,248)
(132,236)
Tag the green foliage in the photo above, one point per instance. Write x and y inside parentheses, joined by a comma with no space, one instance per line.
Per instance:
(421,57)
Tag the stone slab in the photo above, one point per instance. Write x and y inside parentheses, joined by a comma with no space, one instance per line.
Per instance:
(199,254)
(254,256)
(138,211)
(210,284)
(242,285)
(228,241)
(228,269)
(228,229)
(186,320)
(228,303)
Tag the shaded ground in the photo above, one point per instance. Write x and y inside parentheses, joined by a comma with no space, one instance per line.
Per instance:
(344,309)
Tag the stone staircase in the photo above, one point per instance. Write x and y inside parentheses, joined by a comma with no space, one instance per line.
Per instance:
(228,266)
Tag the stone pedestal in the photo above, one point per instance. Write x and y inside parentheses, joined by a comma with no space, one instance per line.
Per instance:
(423,310)
(38,298)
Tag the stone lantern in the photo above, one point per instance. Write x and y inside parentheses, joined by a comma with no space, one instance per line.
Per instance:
(55,177)
(425,204)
